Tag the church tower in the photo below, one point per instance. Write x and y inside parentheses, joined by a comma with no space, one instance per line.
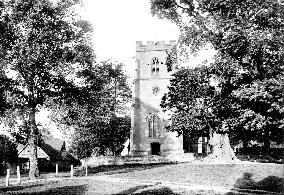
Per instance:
(148,133)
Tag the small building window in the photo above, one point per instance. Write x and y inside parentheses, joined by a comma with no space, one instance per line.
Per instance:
(153,125)
(155,65)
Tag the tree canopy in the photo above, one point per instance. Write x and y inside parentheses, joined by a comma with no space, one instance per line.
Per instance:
(100,124)
(247,72)
(43,46)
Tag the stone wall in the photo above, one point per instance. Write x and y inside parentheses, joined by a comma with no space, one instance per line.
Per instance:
(129,160)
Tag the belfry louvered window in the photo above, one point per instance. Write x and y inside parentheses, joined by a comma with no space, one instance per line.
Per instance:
(155,65)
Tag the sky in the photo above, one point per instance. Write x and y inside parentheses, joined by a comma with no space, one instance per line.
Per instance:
(119,24)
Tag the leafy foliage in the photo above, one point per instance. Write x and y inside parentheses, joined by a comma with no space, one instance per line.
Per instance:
(101,138)
(189,98)
(95,120)
(43,46)
(247,73)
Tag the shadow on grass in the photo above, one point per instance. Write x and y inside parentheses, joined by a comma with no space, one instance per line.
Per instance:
(70,190)
(142,190)
(17,188)
(117,169)
(270,184)
(42,189)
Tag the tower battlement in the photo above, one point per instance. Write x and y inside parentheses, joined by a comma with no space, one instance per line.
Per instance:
(160,45)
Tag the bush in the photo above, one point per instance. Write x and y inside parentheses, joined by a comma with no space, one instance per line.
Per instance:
(271,153)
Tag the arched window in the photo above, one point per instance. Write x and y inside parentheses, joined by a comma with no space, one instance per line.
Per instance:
(155,65)
(153,125)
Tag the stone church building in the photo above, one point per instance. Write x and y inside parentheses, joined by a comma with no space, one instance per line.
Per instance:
(148,133)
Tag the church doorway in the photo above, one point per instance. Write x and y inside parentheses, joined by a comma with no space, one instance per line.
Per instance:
(155,148)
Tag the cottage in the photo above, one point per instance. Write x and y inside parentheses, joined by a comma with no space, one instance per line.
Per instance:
(50,153)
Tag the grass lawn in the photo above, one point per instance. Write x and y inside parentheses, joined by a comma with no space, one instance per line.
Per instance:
(225,175)
(66,187)
(173,179)
(86,186)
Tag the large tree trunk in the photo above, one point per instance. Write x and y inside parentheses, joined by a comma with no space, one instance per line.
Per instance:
(221,149)
(33,173)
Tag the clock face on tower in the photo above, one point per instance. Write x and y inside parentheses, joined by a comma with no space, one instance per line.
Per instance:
(155,90)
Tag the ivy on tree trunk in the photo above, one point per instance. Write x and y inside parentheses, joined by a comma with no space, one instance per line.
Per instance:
(221,149)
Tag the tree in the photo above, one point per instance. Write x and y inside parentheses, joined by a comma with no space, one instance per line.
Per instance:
(189,99)
(198,110)
(43,45)
(247,70)
(261,111)
(101,138)
(100,122)
(8,152)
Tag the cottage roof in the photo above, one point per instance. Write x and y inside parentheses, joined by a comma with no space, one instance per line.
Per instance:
(54,148)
